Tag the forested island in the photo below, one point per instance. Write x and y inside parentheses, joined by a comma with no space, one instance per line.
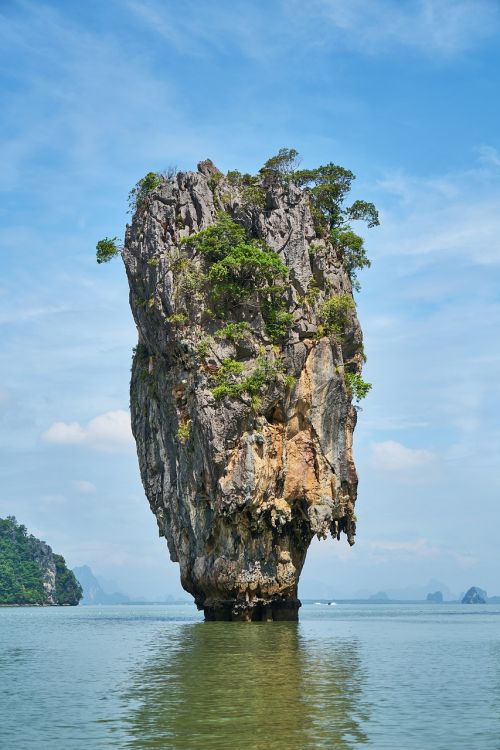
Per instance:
(30,573)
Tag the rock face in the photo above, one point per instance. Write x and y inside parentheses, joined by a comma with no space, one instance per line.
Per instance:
(240,483)
(475,595)
(42,555)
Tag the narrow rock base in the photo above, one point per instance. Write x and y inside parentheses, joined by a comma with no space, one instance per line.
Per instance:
(231,611)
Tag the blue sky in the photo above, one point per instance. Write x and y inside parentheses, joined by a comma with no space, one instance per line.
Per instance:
(404,93)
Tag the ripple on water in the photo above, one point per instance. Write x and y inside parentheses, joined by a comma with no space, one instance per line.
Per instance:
(384,676)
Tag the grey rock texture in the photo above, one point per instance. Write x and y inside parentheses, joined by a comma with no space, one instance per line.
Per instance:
(43,556)
(238,491)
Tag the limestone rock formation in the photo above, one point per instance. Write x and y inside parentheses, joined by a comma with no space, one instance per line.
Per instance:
(240,394)
(475,595)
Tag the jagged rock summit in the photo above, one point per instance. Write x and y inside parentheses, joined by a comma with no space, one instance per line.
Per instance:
(248,358)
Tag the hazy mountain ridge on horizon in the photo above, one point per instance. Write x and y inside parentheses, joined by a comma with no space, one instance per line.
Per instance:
(93,592)
(314,589)
(99,590)
(413,592)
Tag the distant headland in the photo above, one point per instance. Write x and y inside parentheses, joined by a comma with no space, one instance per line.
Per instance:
(30,573)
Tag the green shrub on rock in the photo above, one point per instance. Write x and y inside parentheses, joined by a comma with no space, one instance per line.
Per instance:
(234,331)
(177,319)
(230,383)
(184,432)
(356,386)
(277,319)
(142,188)
(335,314)
(217,240)
(282,166)
(327,187)
(352,252)
(107,249)
(240,266)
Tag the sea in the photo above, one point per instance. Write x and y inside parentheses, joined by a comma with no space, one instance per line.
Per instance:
(348,675)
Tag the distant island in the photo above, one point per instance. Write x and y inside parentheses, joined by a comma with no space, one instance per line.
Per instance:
(380,596)
(435,597)
(475,595)
(30,573)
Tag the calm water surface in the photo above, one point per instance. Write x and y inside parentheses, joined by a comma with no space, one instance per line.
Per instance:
(380,676)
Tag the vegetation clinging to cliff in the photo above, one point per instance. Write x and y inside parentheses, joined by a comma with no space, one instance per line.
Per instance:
(21,579)
(68,589)
(239,266)
(21,575)
(107,249)
(142,188)
(335,314)
(356,386)
(327,187)
(230,383)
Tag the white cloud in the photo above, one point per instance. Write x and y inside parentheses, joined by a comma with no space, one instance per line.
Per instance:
(64,433)
(84,486)
(108,431)
(489,155)
(393,456)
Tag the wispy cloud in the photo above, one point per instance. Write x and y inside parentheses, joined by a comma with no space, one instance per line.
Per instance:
(489,155)
(106,432)
(29,314)
(453,214)
(413,548)
(106,93)
(443,27)
(203,29)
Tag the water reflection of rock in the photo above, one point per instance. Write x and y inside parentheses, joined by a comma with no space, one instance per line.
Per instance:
(230,686)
